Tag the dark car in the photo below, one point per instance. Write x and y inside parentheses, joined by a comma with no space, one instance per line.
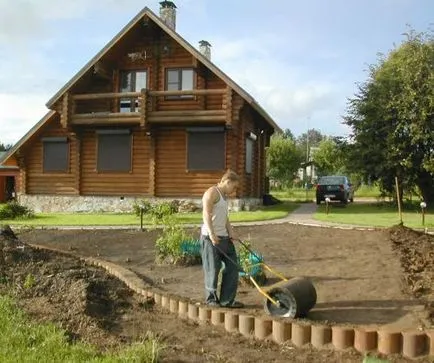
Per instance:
(334,187)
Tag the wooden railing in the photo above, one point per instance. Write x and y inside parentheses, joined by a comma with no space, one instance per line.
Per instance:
(150,107)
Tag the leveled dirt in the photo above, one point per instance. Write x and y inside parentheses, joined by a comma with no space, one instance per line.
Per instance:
(357,275)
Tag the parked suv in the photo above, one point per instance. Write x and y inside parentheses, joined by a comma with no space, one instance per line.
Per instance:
(334,187)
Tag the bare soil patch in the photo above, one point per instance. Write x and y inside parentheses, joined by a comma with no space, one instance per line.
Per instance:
(357,274)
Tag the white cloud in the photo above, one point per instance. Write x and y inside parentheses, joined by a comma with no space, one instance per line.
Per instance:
(19,113)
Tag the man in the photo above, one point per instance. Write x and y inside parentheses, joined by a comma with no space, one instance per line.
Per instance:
(216,244)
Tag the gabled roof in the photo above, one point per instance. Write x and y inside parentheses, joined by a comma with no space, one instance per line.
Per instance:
(27,136)
(187,46)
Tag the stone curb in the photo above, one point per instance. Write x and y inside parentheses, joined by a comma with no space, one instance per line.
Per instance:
(411,344)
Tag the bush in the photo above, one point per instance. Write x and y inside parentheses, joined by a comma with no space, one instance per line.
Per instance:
(168,244)
(14,210)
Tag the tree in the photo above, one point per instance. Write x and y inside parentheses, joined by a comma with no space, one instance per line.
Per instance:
(5,147)
(287,134)
(328,157)
(392,118)
(283,159)
(304,142)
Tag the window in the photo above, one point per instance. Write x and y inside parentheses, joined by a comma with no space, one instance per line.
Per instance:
(131,81)
(249,155)
(56,154)
(206,148)
(179,79)
(114,150)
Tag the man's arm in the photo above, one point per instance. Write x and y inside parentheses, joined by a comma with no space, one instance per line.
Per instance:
(208,201)
(230,229)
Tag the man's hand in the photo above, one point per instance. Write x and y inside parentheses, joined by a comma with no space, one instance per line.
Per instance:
(214,239)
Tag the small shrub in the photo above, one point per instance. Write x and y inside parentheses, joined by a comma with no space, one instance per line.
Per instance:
(168,244)
(247,261)
(14,210)
(144,205)
(29,282)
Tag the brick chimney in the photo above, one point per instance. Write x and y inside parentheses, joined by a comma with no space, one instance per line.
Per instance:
(168,13)
(205,49)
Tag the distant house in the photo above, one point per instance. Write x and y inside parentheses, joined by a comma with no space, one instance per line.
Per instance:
(149,116)
(8,174)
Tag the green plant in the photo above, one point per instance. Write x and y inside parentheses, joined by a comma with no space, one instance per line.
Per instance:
(30,281)
(13,210)
(168,244)
(250,263)
(142,205)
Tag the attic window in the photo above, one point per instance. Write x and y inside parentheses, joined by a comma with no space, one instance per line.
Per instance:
(206,148)
(179,79)
(114,150)
(55,154)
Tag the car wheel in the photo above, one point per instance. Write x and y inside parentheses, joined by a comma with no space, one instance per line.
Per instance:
(352,200)
(344,201)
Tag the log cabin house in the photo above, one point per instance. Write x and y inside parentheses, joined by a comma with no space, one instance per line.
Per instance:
(150,116)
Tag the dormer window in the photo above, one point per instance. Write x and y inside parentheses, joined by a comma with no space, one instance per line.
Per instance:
(179,79)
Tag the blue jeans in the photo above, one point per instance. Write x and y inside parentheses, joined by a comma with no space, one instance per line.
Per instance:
(212,259)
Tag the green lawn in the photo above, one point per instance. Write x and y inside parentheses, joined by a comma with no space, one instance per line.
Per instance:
(300,194)
(21,340)
(373,214)
(294,194)
(108,219)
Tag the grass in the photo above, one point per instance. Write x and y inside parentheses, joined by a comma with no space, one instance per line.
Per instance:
(374,214)
(21,340)
(297,195)
(109,219)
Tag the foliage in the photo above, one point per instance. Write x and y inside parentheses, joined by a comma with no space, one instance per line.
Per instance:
(329,158)
(309,139)
(283,159)
(29,282)
(24,341)
(141,206)
(245,259)
(392,119)
(13,210)
(5,147)
(168,244)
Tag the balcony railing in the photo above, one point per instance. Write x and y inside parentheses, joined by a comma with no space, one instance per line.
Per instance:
(210,105)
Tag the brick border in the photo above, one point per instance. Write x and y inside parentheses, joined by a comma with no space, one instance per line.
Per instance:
(409,343)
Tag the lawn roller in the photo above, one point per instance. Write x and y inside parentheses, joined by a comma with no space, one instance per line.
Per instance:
(289,298)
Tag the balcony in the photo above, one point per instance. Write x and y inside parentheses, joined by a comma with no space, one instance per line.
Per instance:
(148,107)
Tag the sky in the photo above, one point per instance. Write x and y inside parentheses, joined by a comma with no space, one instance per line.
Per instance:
(300,59)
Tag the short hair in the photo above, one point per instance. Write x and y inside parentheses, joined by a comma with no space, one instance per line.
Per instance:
(231,176)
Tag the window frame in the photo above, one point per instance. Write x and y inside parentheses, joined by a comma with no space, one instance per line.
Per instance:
(134,104)
(56,140)
(113,132)
(179,88)
(202,131)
